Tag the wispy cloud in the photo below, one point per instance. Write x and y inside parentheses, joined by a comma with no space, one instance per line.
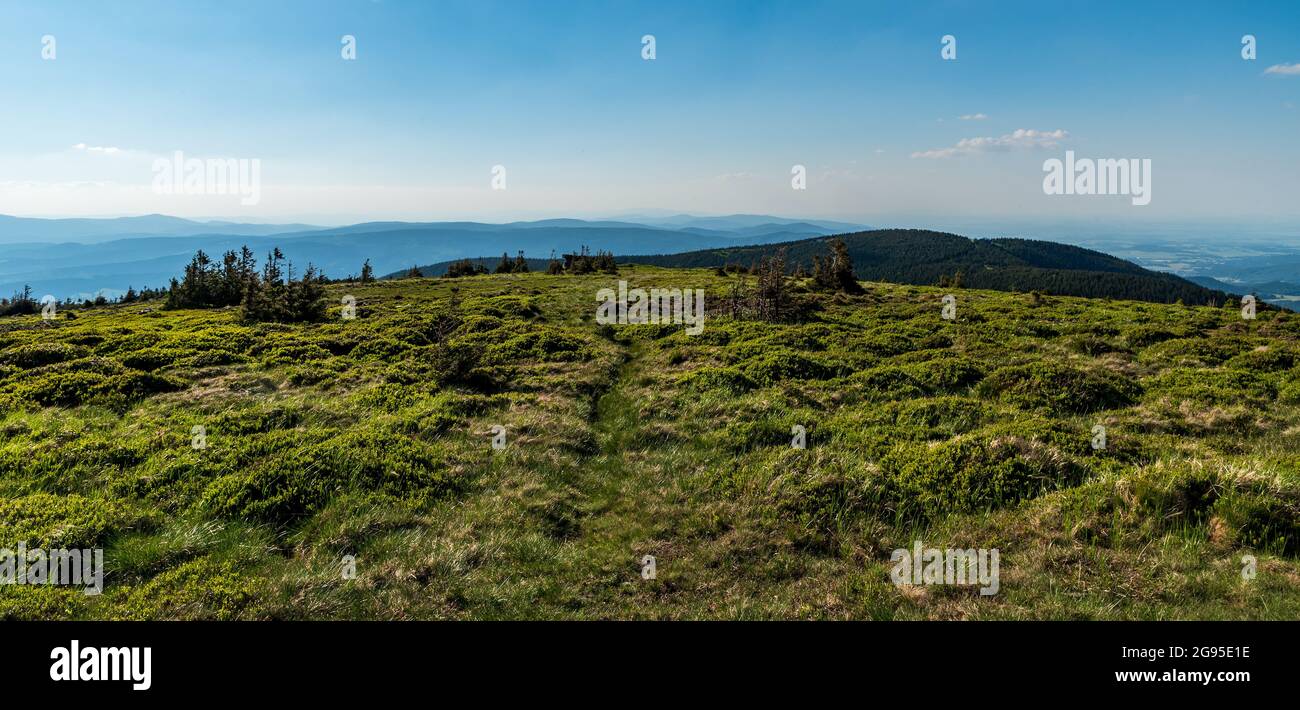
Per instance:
(1021,138)
(1284,69)
(973,117)
(104,149)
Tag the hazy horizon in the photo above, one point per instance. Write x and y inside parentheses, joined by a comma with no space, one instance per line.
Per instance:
(1068,228)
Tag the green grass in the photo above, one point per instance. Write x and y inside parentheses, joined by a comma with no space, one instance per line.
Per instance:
(372,438)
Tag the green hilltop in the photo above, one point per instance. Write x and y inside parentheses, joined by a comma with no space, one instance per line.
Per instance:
(924,257)
(372,438)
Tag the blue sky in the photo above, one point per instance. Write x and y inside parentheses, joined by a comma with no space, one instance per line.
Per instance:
(739,92)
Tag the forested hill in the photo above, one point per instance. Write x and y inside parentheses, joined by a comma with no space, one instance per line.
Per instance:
(923,257)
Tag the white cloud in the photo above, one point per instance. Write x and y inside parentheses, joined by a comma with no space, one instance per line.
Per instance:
(973,117)
(1284,69)
(1019,139)
(104,149)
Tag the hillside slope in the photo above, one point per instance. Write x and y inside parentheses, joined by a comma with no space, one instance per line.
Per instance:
(370,441)
(922,257)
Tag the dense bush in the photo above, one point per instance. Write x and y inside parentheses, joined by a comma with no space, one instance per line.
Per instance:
(296,482)
(969,474)
(1265,359)
(1140,336)
(70,388)
(727,379)
(947,374)
(1209,386)
(198,590)
(544,344)
(151,359)
(1058,388)
(888,382)
(1194,351)
(37,354)
(70,521)
(781,364)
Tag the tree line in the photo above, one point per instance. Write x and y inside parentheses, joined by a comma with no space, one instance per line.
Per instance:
(269,294)
(581,262)
(21,303)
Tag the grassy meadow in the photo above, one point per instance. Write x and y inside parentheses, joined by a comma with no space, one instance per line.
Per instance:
(372,437)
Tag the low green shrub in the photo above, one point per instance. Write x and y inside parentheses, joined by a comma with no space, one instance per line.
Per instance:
(970,474)
(1058,388)
(69,521)
(727,379)
(1209,386)
(888,382)
(293,483)
(41,353)
(780,364)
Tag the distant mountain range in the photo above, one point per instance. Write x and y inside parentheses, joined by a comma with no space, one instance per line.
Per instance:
(29,230)
(82,258)
(740,222)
